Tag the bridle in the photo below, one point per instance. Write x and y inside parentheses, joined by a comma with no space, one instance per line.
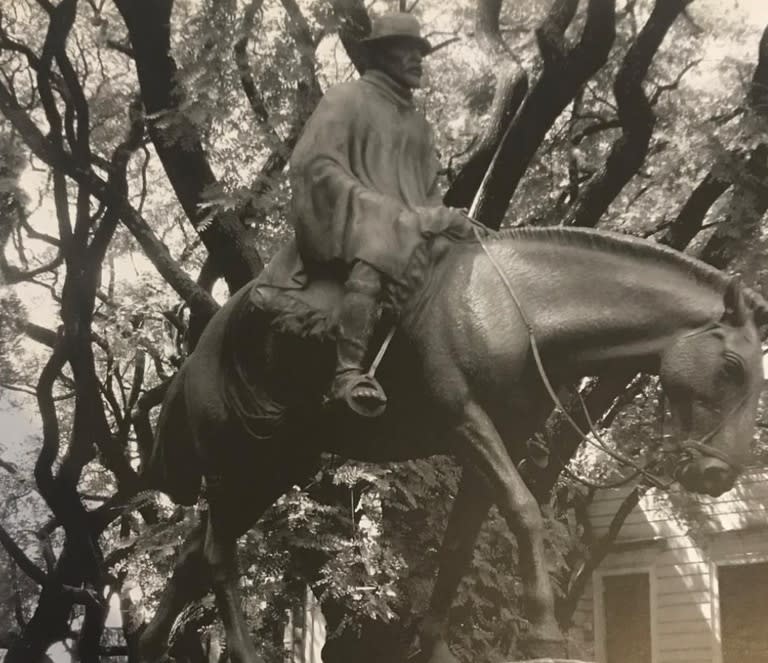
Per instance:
(700,447)
(692,448)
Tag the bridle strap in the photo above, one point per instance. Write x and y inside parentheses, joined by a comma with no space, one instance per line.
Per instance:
(548,385)
(698,446)
(708,450)
(701,447)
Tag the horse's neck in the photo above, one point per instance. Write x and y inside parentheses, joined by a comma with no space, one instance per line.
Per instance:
(598,305)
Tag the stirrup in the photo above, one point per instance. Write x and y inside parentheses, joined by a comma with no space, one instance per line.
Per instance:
(369,405)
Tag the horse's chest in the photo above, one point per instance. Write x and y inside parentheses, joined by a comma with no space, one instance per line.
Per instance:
(496,335)
(476,344)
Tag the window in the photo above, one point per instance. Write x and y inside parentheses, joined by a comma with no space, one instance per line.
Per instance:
(743,617)
(627,615)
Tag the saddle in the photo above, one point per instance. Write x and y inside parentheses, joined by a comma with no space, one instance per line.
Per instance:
(309,307)
(295,304)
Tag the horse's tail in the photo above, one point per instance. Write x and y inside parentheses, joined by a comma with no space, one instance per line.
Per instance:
(173,466)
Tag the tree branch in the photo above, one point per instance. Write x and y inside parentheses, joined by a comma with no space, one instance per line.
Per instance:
(566,69)
(240,51)
(181,152)
(308,92)
(741,225)
(758,89)
(20,558)
(8,467)
(62,163)
(596,553)
(353,24)
(691,216)
(511,89)
(635,114)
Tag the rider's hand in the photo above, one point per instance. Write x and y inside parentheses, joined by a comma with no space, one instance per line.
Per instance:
(440,219)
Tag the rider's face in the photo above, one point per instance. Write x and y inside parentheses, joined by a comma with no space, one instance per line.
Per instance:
(402,61)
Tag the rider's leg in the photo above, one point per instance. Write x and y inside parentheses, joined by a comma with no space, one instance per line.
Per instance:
(357,320)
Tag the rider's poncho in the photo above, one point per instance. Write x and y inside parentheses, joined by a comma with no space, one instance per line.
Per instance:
(366,155)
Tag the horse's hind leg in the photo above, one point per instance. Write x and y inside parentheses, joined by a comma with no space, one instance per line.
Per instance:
(468,513)
(189,582)
(234,506)
(221,554)
(484,451)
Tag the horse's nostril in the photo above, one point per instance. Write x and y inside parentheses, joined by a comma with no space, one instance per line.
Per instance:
(716,477)
(716,474)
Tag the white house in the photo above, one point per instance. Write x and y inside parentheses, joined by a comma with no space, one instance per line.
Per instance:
(690,588)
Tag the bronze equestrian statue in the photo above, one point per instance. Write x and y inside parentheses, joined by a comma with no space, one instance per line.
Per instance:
(247,414)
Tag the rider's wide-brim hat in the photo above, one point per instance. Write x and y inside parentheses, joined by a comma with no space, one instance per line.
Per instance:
(396,27)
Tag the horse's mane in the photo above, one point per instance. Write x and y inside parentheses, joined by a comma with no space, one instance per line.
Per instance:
(628,245)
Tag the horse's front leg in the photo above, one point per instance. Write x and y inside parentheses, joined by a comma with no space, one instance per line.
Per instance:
(483,450)
(470,508)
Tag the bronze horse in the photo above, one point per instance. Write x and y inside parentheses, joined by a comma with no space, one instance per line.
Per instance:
(244,409)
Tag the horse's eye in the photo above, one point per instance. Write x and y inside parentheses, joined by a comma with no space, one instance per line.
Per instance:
(733,369)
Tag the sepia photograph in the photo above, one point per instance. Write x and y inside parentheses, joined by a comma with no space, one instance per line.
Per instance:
(383,331)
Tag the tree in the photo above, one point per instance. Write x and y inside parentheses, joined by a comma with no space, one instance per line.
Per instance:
(145,141)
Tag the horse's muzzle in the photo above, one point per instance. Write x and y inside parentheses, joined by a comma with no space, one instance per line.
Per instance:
(710,476)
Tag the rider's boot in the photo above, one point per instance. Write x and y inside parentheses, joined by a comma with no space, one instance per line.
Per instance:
(359,312)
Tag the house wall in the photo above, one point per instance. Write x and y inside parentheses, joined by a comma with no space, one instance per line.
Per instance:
(304,634)
(681,555)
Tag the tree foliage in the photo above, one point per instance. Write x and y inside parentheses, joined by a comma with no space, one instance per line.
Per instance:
(143,148)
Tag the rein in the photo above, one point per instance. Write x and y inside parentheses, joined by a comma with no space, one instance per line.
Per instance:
(691,447)
(639,470)
(701,447)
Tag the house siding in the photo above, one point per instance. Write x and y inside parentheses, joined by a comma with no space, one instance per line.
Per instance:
(681,555)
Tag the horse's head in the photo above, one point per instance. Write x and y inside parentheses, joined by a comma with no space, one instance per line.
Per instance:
(713,377)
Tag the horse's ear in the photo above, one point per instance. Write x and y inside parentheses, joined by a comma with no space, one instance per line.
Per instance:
(737,310)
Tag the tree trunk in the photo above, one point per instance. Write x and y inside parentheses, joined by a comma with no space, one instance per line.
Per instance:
(181,152)
(565,70)
(635,115)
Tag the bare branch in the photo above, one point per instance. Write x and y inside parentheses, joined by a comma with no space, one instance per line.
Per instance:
(758,89)
(62,163)
(22,389)
(309,92)
(140,418)
(42,335)
(596,554)
(20,558)
(354,24)
(635,114)
(181,151)
(444,43)
(247,82)
(673,85)
(566,69)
